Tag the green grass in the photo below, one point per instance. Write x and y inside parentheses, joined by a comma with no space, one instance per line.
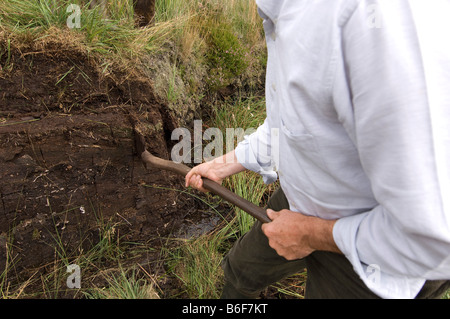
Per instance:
(29,20)
(196,264)
(216,38)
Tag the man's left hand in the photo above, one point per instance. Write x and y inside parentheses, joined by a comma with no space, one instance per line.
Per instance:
(294,235)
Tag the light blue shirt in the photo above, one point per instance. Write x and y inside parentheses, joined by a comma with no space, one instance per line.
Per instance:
(358,129)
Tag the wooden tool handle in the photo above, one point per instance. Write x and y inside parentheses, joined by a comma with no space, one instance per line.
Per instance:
(181,169)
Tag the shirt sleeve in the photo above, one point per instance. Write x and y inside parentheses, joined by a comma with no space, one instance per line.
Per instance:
(254,153)
(398,72)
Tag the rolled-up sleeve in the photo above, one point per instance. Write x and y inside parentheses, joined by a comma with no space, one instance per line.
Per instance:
(254,153)
(399,73)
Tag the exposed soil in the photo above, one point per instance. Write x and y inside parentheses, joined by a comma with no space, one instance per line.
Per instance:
(67,156)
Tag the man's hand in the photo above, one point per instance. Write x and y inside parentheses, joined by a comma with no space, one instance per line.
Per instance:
(295,236)
(194,177)
(215,170)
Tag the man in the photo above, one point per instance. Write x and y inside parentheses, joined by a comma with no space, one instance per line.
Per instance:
(358,110)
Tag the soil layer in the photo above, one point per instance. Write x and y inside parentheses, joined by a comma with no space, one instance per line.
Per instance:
(67,156)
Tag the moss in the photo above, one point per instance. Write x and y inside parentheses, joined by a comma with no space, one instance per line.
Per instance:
(36,234)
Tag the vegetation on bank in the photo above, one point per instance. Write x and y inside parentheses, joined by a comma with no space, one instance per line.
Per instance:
(194,49)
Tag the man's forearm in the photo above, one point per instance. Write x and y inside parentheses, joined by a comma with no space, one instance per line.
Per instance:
(227,165)
(321,235)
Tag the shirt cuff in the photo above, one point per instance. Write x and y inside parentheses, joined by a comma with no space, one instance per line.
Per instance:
(384,285)
(247,158)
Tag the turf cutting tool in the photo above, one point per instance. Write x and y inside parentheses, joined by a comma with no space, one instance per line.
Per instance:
(181,169)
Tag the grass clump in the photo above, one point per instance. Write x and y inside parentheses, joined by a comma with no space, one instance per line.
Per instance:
(126,284)
(196,264)
(226,57)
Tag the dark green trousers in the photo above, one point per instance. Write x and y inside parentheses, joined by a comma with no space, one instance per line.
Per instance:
(252,265)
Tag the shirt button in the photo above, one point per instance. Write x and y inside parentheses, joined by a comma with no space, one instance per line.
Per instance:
(273,35)
(274,87)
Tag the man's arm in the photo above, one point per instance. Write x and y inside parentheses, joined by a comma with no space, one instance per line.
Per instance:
(398,75)
(247,155)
